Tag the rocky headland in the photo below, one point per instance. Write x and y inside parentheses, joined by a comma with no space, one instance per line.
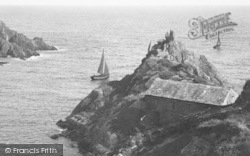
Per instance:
(120,118)
(17,45)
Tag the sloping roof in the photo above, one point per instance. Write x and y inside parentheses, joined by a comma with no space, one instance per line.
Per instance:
(192,92)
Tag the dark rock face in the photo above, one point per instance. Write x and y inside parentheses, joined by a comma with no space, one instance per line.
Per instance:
(18,45)
(39,44)
(245,96)
(117,119)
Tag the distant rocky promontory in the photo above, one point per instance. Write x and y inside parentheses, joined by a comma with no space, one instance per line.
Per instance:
(17,45)
(167,107)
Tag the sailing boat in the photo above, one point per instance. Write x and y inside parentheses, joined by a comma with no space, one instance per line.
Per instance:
(102,70)
(218,42)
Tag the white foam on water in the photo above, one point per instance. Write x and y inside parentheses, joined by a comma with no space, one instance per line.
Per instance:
(60,49)
(16,59)
(36,58)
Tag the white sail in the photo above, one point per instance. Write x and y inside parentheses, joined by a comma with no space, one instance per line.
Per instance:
(106,70)
(103,68)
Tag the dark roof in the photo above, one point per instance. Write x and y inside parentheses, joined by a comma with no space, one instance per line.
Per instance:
(192,92)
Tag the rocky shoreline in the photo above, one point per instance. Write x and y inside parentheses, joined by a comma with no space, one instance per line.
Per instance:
(117,119)
(18,45)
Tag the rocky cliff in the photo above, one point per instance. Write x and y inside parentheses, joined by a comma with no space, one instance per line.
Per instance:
(18,45)
(117,119)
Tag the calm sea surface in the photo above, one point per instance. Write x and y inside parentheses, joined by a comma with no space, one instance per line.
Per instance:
(36,93)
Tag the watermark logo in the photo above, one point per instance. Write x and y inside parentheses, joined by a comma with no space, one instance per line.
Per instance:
(210,27)
(31,149)
(7,150)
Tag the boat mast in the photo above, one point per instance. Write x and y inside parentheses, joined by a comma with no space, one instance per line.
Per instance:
(218,41)
(103,63)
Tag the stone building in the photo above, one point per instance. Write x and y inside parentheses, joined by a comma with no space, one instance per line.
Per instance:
(173,100)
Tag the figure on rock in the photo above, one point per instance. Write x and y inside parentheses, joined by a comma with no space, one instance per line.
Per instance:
(171,47)
(171,35)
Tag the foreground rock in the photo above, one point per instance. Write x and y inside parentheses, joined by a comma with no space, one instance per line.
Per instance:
(18,45)
(118,119)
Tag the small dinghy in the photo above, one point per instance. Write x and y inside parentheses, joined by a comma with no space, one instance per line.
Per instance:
(217,46)
(102,70)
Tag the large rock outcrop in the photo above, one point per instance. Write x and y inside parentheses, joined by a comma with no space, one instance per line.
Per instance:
(18,45)
(117,119)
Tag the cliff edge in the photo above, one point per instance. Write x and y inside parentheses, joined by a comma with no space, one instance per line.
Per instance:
(121,119)
(18,45)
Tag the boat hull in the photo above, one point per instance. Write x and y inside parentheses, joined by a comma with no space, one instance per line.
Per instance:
(216,47)
(99,77)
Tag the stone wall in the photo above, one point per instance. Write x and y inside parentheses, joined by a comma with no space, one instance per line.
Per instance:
(171,110)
